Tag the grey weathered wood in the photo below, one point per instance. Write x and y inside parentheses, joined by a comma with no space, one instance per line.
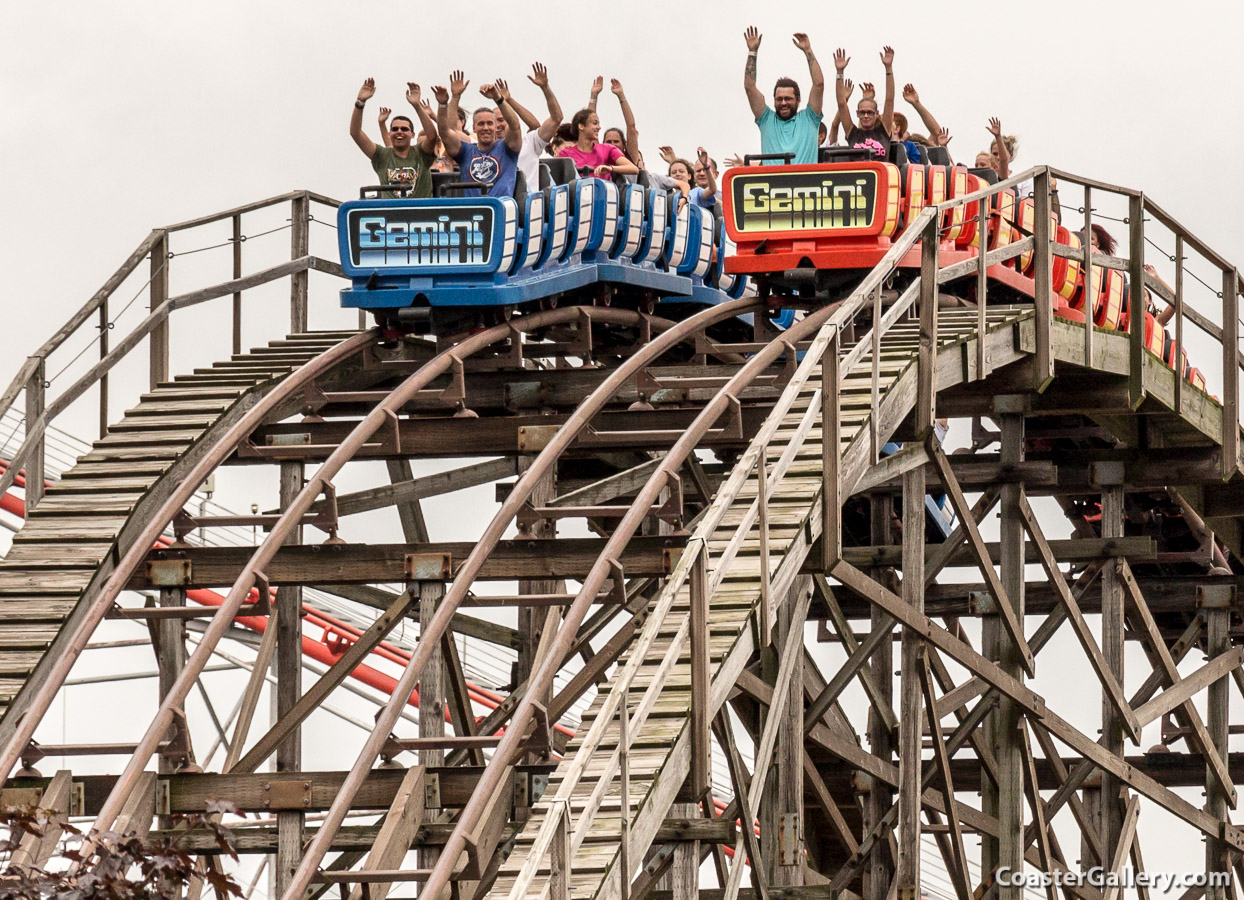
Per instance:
(37,459)
(959,869)
(139,809)
(299,246)
(831,437)
(398,830)
(1217,713)
(1230,374)
(701,759)
(35,850)
(158,292)
(236,238)
(1086,263)
(1137,304)
(1042,280)
(289,689)
(926,393)
(907,870)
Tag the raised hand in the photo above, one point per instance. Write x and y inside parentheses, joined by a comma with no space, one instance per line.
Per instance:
(995,127)
(850,86)
(457,82)
(887,56)
(502,88)
(367,90)
(943,138)
(413,93)
(427,108)
(616,87)
(752,36)
(733,160)
(667,153)
(701,156)
(801,41)
(598,85)
(841,59)
(385,112)
(491,92)
(909,94)
(539,76)
(867,90)
(441,94)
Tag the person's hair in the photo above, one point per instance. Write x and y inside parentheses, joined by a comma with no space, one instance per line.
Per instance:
(1012,144)
(462,114)
(556,144)
(900,124)
(405,119)
(919,139)
(475,115)
(1105,243)
(621,134)
(787,82)
(576,122)
(690,167)
(872,101)
(566,133)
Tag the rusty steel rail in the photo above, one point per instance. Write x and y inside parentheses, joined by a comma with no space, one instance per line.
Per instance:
(381,415)
(155,526)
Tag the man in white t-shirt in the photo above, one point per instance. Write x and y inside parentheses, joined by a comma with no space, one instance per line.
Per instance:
(539,133)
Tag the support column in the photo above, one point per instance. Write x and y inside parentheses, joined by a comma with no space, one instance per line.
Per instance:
(1217,856)
(299,246)
(907,876)
(1007,737)
(532,619)
(684,873)
(880,740)
(288,690)
(1111,816)
(158,339)
(169,638)
(36,400)
(781,810)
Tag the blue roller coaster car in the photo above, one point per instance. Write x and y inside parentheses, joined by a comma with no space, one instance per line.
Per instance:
(410,258)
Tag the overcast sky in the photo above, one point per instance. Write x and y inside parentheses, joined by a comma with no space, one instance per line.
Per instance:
(122,117)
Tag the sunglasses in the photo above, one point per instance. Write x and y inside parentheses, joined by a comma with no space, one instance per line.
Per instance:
(399,128)
(865,112)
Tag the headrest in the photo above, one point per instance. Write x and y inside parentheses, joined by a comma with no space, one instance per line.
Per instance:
(562,169)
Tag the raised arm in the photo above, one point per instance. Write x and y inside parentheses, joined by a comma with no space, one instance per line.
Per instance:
(356,118)
(383,122)
(428,135)
(499,92)
(447,114)
(540,78)
(832,137)
(999,145)
(598,85)
(887,111)
(840,90)
(628,119)
(701,156)
(755,99)
(930,123)
(525,116)
(816,96)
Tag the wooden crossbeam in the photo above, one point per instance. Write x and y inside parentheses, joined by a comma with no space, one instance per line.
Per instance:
(959,873)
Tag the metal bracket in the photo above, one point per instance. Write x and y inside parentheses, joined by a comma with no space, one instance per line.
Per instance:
(288,794)
(169,572)
(432,790)
(163,797)
(1215,596)
(1108,473)
(428,566)
(790,839)
(77,798)
(534,438)
(981,603)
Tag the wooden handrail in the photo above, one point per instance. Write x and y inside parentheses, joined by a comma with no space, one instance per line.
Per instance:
(250,207)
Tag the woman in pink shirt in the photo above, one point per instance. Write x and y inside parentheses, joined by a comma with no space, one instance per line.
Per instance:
(603,159)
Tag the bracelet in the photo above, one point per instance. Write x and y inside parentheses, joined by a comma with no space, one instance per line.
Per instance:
(359,104)
(751,54)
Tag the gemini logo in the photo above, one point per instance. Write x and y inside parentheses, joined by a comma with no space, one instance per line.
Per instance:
(458,235)
(804,201)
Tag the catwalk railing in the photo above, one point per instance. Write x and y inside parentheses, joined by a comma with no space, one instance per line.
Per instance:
(32,381)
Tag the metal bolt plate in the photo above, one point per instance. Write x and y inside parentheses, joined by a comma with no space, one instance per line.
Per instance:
(169,572)
(287,794)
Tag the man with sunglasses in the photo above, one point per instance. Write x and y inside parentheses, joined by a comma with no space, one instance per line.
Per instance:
(406,162)
(786,128)
(874,126)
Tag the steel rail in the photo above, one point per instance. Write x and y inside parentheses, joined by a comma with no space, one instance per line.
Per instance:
(827,320)
(565,435)
(155,526)
(379,417)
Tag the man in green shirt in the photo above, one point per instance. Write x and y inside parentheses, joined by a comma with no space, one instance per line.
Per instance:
(406,162)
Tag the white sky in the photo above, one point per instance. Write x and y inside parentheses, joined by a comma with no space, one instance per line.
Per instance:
(122,117)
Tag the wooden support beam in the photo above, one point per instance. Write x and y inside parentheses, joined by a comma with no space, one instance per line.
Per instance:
(289,661)
(1065,795)
(740,781)
(1126,835)
(846,673)
(356,653)
(959,871)
(825,800)
(1189,685)
(880,702)
(907,868)
(1039,827)
(434,485)
(1141,618)
(461,714)
(1111,688)
(35,850)
(1034,705)
(140,806)
(1008,615)
(397,832)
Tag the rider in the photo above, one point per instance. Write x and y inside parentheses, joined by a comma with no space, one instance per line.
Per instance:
(785,128)
(404,162)
(488,161)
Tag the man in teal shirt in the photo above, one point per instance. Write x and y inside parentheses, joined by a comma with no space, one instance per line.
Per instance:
(785,128)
